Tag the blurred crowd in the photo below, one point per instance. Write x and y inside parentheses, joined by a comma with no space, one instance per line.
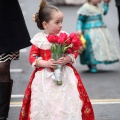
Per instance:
(68,2)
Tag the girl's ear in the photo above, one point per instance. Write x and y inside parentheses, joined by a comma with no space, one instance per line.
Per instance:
(44,25)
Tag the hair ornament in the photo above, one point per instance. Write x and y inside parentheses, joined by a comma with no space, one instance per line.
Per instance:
(33,17)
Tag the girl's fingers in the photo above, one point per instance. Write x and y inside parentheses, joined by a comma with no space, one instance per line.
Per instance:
(52,67)
(52,60)
(62,58)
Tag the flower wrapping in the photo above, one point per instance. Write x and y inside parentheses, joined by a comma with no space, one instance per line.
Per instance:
(62,45)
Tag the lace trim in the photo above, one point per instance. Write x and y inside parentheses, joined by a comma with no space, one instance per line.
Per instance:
(34,63)
(52,102)
(89,10)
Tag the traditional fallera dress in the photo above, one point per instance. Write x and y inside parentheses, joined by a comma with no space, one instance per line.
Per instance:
(100,45)
(44,99)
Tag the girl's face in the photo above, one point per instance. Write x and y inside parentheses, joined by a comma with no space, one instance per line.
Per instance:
(54,26)
(95,2)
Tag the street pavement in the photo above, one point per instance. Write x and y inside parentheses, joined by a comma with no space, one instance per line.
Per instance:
(102,87)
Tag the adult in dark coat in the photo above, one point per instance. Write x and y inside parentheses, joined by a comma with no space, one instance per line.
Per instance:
(13,37)
(118,7)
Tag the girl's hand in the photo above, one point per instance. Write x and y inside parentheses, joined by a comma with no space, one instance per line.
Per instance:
(64,60)
(79,33)
(51,63)
(81,49)
(42,63)
(107,1)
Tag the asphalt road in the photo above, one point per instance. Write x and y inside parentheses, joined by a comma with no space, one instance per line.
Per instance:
(102,87)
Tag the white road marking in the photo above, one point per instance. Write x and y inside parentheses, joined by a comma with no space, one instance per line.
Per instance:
(17,96)
(105,101)
(16,70)
(93,101)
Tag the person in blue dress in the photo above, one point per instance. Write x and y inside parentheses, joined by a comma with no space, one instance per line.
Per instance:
(100,45)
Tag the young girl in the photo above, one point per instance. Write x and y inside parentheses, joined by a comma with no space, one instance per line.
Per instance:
(44,99)
(100,47)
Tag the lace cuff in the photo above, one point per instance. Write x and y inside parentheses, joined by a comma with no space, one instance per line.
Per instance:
(34,63)
(72,58)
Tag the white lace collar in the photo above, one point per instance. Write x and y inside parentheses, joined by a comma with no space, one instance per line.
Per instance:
(89,9)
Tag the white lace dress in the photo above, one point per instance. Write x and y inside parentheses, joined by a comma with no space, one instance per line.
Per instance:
(50,101)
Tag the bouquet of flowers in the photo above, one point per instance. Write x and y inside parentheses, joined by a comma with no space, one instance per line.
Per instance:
(61,45)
